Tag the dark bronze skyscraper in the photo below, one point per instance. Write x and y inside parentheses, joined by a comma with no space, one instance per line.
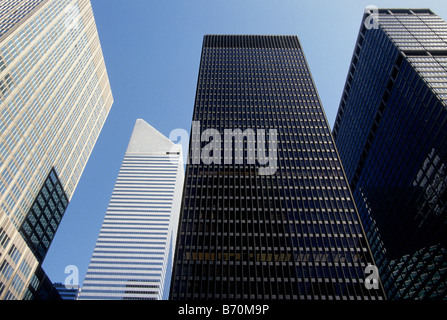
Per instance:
(391,132)
(267,212)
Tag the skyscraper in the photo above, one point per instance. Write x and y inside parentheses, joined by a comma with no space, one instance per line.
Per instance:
(134,252)
(267,212)
(54,99)
(391,133)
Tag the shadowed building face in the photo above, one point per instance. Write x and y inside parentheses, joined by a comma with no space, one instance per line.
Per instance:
(391,134)
(285,228)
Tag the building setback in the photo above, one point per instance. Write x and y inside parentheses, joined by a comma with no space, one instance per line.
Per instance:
(267,212)
(391,133)
(54,99)
(133,256)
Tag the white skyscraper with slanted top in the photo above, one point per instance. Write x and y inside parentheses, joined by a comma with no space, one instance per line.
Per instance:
(132,259)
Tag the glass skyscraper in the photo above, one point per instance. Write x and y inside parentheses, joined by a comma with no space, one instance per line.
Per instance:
(267,212)
(54,99)
(391,133)
(133,256)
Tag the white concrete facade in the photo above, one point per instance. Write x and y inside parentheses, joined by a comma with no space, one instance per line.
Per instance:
(134,252)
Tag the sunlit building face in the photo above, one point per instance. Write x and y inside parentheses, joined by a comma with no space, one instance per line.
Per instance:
(54,99)
(133,255)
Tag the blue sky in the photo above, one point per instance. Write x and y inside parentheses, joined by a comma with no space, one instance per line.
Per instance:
(152,53)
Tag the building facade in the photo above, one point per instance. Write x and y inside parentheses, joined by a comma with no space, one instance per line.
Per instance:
(391,133)
(54,99)
(67,293)
(267,212)
(133,256)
